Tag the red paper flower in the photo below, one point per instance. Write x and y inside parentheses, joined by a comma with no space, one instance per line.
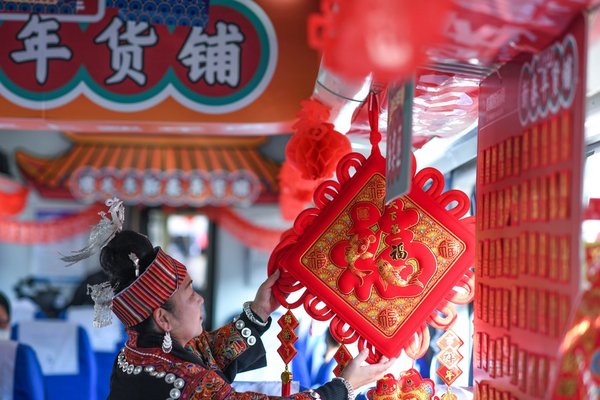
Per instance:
(316,147)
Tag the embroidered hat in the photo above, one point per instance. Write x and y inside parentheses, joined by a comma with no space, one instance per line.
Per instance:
(150,290)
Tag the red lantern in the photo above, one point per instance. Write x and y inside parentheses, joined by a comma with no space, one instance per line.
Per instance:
(386,37)
(316,146)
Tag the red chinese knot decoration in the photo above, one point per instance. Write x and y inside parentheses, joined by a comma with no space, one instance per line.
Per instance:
(379,272)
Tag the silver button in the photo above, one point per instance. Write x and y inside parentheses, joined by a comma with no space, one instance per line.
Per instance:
(179,383)
(246,332)
(137,370)
(130,369)
(175,393)
(239,324)
(251,340)
(170,378)
(149,368)
(161,374)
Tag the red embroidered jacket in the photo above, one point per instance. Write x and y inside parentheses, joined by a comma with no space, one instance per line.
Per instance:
(203,369)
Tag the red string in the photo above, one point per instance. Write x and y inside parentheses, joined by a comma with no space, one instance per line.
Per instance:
(375,136)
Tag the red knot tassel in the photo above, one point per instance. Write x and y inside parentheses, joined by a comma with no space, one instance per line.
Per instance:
(286,382)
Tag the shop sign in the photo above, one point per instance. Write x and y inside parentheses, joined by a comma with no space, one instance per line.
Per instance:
(81,11)
(125,64)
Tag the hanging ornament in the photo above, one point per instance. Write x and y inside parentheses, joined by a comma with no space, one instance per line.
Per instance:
(389,37)
(316,147)
(386,388)
(343,357)
(379,272)
(287,351)
(449,357)
(414,386)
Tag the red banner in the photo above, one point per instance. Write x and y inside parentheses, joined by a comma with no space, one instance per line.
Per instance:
(55,230)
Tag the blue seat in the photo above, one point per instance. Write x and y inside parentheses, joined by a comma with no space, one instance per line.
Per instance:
(106,343)
(66,357)
(24,382)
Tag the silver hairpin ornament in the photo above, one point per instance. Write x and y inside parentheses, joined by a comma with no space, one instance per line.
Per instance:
(102,295)
(136,261)
(102,233)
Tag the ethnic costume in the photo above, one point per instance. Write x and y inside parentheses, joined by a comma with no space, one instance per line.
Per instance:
(203,370)
(152,366)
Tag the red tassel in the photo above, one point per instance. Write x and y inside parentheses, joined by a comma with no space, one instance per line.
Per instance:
(286,382)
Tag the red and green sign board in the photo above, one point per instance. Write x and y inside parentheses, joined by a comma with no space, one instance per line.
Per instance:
(141,66)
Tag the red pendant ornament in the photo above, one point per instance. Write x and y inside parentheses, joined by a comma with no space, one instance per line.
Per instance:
(342,356)
(379,272)
(287,351)
(449,357)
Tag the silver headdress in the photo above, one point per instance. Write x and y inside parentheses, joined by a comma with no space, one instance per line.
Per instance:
(102,294)
(102,233)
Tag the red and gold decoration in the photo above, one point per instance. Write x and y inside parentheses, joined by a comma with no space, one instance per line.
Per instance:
(531,141)
(449,357)
(579,369)
(379,272)
(409,386)
(342,357)
(316,147)
(287,351)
